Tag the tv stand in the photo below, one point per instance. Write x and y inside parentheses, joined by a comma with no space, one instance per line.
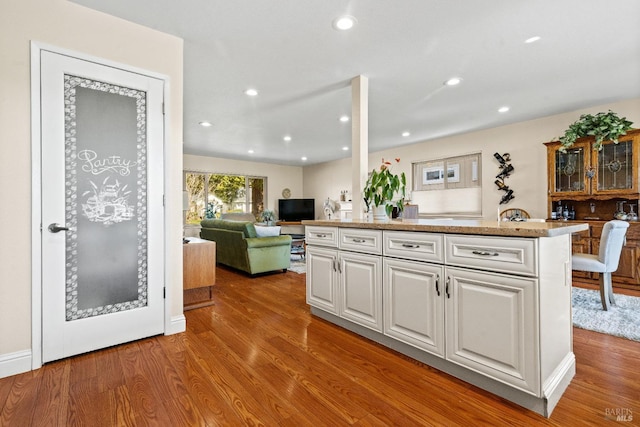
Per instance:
(288,222)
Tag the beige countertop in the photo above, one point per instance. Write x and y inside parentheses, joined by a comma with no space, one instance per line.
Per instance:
(478,227)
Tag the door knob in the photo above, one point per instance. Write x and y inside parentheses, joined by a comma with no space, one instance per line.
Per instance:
(55,228)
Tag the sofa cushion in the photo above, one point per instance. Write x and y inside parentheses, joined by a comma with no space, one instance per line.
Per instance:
(245,227)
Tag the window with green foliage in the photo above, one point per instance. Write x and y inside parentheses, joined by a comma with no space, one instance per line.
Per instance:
(211,195)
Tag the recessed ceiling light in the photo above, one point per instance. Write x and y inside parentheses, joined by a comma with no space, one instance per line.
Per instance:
(304,159)
(532,39)
(287,138)
(405,134)
(205,124)
(503,109)
(250,151)
(453,81)
(345,22)
(344,119)
(345,148)
(251,92)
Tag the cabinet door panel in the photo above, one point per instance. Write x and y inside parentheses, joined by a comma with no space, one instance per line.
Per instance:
(491,323)
(361,289)
(628,265)
(627,272)
(580,245)
(322,283)
(414,304)
(616,171)
(567,175)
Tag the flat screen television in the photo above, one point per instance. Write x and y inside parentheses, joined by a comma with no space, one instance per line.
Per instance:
(296,209)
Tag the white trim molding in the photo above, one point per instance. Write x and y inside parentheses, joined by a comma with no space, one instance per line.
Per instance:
(15,363)
(176,325)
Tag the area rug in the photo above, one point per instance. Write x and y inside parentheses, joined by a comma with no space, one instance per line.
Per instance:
(298,265)
(621,320)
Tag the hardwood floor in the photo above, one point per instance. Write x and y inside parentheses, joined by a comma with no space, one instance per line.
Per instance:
(257,357)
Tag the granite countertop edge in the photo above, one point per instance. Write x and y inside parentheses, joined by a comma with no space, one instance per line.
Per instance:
(475,227)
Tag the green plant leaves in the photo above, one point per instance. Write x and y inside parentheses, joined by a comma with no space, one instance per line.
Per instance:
(603,126)
(381,188)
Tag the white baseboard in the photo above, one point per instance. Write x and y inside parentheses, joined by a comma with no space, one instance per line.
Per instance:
(15,363)
(178,324)
(20,361)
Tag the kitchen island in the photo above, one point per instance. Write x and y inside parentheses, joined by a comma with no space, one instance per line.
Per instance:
(485,301)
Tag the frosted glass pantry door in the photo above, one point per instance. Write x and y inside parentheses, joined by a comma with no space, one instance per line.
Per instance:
(102,230)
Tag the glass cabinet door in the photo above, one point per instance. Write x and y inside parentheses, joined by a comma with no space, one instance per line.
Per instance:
(570,170)
(615,166)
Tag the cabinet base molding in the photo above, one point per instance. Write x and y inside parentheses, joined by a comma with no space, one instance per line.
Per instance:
(558,381)
(553,387)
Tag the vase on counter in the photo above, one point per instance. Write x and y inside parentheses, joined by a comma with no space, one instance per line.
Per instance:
(380,213)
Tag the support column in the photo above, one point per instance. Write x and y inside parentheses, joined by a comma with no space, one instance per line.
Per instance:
(359,142)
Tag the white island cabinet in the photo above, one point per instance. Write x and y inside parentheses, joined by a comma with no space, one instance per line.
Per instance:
(487,302)
(347,282)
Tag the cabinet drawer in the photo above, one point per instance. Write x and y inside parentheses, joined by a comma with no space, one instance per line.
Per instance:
(500,254)
(416,246)
(323,236)
(359,240)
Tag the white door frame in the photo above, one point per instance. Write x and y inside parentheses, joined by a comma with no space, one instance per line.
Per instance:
(36,191)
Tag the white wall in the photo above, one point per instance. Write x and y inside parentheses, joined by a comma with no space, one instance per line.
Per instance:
(524,141)
(279,177)
(329,180)
(69,26)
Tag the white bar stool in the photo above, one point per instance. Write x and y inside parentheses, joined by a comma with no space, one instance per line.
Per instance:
(607,259)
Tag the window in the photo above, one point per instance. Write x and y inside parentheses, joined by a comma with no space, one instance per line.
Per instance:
(211,195)
(449,186)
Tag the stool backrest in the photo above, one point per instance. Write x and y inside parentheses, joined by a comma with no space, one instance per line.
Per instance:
(611,243)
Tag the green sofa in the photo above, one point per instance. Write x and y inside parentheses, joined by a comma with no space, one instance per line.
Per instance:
(238,246)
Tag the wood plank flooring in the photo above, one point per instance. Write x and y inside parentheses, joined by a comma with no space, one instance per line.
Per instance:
(257,357)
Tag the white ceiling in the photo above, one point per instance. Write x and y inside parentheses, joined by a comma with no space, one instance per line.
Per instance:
(588,54)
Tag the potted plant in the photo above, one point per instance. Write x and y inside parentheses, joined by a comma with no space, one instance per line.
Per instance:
(382,188)
(268,217)
(603,126)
